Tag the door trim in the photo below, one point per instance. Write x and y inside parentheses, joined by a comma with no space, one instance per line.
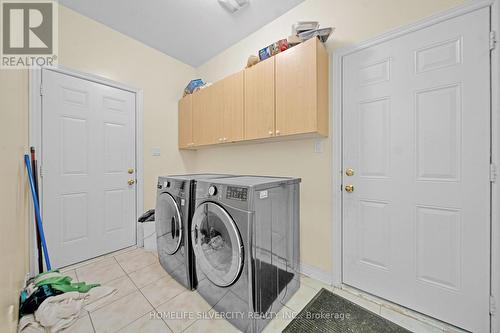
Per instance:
(337,137)
(35,139)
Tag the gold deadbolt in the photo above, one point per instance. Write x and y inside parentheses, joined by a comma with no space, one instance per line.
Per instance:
(349,172)
(349,188)
(130,171)
(131,182)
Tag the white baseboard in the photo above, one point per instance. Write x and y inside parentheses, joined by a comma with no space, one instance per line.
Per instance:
(316,273)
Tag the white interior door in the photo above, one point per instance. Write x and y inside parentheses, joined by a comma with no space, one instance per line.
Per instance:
(416,127)
(88,147)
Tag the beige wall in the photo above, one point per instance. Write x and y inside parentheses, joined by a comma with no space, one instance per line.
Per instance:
(86,46)
(355,21)
(13,192)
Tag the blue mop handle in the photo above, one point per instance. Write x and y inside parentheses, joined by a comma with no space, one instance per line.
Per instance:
(37,212)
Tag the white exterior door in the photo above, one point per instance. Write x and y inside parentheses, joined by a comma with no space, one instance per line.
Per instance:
(416,133)
(88,145)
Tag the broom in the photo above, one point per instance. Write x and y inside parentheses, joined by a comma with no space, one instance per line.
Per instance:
(35,183)
(37,212)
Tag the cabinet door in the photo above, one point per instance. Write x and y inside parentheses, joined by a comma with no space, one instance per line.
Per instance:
(296,89)
(206,113)
(259,100)
(232,108)
(186,122)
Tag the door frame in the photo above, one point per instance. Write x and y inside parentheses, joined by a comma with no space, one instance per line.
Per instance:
(35,139)
(337,137)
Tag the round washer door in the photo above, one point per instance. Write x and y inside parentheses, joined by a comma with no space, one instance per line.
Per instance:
(217,244)
(168,224)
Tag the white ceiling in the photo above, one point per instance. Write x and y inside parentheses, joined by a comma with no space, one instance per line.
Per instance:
(192,31)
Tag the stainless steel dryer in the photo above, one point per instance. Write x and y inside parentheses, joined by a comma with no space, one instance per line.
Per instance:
(245,236)
(174,210)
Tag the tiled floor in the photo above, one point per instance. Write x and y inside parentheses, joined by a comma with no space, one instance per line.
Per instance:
(145,289)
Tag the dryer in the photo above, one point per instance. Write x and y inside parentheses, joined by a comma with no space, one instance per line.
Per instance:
(174,210)
(245,237)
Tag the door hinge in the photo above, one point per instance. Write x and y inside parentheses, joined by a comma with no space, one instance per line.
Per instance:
(40,171)
(41,90)
(493,306)
(493,40)
(493,173)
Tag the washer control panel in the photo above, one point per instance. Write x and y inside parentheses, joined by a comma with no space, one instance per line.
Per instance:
(237,193)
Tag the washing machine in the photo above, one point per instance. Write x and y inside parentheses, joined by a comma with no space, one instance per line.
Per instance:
(245,237)
(174,209)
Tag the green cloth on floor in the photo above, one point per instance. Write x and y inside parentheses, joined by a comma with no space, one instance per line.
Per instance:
(62,283)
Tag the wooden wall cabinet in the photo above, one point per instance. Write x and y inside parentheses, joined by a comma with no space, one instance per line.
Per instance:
(206,116)
(259,100)
(218,112)
(302,89)
(232,105)
(285,95)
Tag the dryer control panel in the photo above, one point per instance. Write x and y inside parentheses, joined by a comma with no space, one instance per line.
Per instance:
(237,193)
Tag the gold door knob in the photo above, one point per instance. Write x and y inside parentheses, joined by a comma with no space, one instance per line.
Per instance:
(278,132)
(271,133)
(131,182)
(349,172)
(130,171)
(349,188)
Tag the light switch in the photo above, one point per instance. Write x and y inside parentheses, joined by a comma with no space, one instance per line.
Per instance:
(155,151)
(318,146)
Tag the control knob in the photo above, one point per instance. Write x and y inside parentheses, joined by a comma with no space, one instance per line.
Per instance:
(212,190)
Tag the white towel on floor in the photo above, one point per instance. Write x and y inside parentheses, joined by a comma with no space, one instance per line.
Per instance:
(59,312)
(28,324)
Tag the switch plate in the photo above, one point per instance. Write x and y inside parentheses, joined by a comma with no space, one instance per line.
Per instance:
(318,146)
(155,151)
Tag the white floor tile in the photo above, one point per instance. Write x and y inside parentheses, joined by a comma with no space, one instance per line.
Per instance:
(100,272)
(137,261)
(120,256)
(189,306)
(162,290)
(148,274)
(120,313)
(283,318)
(83,263)
(301,297)
(211,325)
(147,324)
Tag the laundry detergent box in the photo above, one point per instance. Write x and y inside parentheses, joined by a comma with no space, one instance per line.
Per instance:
(192,85)
(264,53)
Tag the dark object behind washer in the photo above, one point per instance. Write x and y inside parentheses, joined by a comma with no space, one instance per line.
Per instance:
(327,303)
